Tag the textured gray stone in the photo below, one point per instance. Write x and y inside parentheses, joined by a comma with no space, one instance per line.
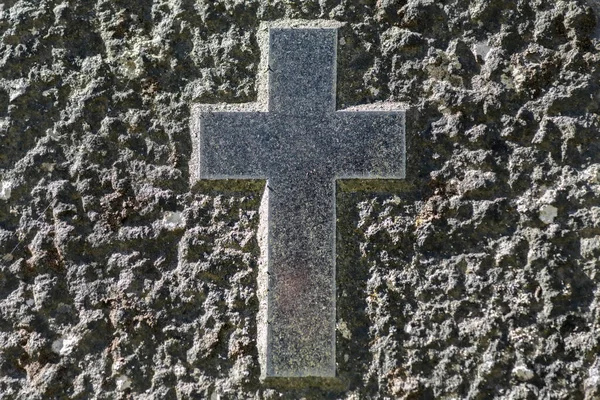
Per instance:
(301,145)
(447,281)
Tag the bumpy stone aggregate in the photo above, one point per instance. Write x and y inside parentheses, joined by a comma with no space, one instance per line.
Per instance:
(475,278)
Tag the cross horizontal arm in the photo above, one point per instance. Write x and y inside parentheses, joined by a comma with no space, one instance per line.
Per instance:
(369,144)
(232,145)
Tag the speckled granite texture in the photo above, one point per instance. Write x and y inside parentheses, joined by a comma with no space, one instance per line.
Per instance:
(475,278)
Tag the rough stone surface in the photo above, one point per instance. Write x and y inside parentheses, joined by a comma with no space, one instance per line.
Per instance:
(119,280)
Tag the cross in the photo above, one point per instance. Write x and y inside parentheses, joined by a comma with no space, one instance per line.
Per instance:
(300,145)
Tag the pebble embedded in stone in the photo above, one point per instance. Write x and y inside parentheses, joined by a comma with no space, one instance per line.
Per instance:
(173,219)
(64,345)
(548,213)
(523,373)
(343,328)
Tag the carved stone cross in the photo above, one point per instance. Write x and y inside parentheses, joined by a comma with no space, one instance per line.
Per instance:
(300,145)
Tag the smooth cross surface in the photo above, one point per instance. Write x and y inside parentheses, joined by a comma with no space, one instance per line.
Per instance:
(301,145)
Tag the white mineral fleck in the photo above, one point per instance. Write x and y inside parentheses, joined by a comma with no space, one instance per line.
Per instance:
(5,190)
(481,49)
(589,246)
(593,380)
(548,213)
(523,373)
(48,167)
(173,219)
(57,346)
(123,382)
(17,88)
(592,174)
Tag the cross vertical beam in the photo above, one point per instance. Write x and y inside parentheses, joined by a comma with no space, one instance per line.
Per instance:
(302,82)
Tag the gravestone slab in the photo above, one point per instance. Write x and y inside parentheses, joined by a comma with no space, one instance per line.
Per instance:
(300,145)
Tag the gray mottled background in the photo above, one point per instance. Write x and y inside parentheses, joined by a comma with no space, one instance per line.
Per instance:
(476,278)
